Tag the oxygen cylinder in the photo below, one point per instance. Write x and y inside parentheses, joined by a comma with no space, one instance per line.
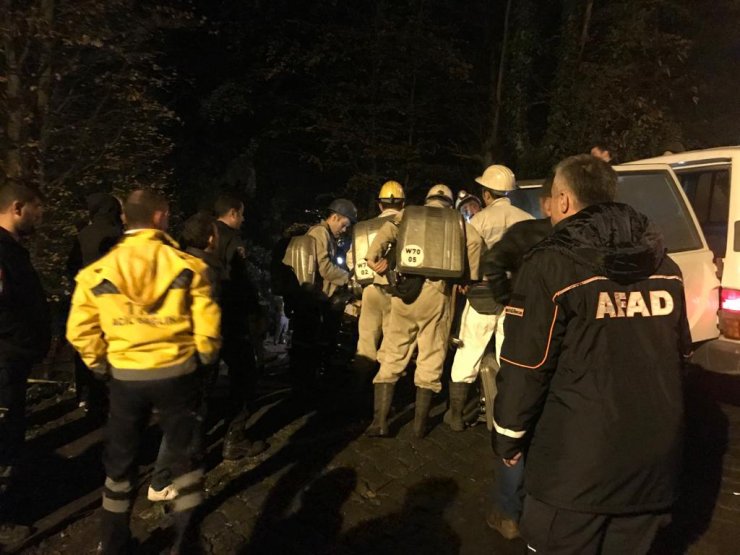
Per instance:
(431,242)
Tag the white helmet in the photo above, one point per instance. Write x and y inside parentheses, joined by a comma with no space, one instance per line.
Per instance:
(498,178)
(441,192)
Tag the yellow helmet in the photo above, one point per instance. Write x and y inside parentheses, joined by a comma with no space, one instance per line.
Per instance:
(391,191)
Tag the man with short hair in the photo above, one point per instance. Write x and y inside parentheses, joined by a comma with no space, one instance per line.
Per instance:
(144,316)
(240,313)
(315,322)
(25,335)
(100,235)
(199,239)
(591,373)
(500,266)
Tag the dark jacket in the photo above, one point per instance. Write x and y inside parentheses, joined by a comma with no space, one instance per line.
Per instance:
(500,264)
(238,293)
(214,273)
(25,324)
(100,235)
(591,367)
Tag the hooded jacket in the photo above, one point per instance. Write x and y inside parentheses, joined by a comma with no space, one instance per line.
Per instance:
(591,369)
(100,235)
(144,311)
(25,325)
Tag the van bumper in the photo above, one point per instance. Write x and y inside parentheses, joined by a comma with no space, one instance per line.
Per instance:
(719,355)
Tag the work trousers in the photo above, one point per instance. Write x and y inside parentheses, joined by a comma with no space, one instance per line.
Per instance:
(425,322)
(373,324)
(475,333)
(177,401)
(552,531)
(13,385)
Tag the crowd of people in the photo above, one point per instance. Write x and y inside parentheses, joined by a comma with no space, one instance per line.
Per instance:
(582,310)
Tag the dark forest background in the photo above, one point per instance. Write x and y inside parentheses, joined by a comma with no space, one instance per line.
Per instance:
(291,102)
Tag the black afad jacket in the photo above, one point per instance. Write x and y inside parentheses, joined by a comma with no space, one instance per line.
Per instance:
(591,367)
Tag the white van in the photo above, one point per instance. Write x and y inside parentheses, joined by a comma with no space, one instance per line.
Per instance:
(653,188)
(713,189)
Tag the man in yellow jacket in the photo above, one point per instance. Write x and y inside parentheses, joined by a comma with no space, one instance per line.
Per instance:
(144,316)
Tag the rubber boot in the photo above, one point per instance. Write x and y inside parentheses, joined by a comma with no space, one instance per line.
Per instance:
(381,407)
(421,412)
(454,415)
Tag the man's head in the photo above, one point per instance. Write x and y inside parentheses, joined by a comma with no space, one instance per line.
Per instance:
(21,208)
(545,197)
(230,210)
(391,196)
(146,209)
(200,232)
(468,204)
(496,182)
(579,182)
(601,151)
(342,215)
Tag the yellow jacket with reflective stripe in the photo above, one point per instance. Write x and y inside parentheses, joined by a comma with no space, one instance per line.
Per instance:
(144,311)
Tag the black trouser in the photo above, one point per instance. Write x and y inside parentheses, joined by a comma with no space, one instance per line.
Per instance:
(553,531)
(131,404)
(315,326)
(89,390)
(238,354)
(13,385)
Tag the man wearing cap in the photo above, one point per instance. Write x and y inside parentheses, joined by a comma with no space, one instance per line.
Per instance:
(315,324)
(476,329)
(424,321)
(376,298)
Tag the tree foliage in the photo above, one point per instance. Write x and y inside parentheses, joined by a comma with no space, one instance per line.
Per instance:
(82,105)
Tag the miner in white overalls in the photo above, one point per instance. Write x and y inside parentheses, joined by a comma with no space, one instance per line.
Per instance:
(477,329)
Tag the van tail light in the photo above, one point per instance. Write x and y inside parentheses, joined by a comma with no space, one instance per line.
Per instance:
(729,314)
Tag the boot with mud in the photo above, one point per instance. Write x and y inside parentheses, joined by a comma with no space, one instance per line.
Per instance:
(381,407)
(454,415)
(421,412)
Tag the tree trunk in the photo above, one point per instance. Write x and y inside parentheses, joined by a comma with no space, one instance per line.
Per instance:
(411,136)
(13,163)
(585,28)
(44,88)
(497,76)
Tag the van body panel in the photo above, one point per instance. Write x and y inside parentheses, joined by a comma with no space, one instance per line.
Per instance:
(722,354)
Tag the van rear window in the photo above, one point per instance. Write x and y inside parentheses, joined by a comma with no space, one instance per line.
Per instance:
(655,194)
